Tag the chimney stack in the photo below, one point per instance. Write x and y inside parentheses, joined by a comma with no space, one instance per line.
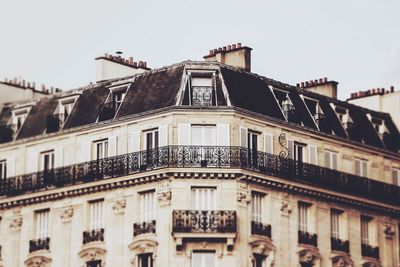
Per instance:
(235,55)
(321,86)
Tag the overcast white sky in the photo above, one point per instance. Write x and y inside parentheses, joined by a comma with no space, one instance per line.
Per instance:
(356,43)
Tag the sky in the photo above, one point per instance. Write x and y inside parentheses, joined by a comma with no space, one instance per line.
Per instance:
(356,43)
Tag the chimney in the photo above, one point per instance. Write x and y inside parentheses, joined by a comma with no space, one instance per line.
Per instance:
(235,55)
(321,86)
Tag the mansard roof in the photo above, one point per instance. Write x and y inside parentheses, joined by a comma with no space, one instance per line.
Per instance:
(168,87)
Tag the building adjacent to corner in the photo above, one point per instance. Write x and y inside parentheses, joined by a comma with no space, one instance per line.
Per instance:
(199,164)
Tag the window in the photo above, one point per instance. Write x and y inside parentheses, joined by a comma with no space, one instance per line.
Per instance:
(19,118)
(47,160)
(361,167)
(204,198)
(256,206)
(3,169)
(147,206)
(96,214)
(100,149)
(284,102)
(202,93)
(365,221)
(396,176)
(298,151)
(204,135)
(331,160)
(42,220)
(95,263)
(65,108)
(151,139)
(259,260)
(303,216)
(117,98)
(145,260)
(203,259)
(335,223)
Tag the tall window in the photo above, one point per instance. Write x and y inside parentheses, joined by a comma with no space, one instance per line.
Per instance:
(252,144)
(365,221)
(117,98)
(202,93)
(3,169)
(96,214)
(204,198)
(66,108)
(95,263)
(100,149)
(151,139)
(299,149)
(303,216)
(203,259)
(335,223)
(47,160)
(396,176)
(145,260)
(256,206)
(331,160)
(204,135)
(147,206)
(361,167)
(42,220)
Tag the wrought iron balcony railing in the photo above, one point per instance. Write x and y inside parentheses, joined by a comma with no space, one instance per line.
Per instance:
(204,221)
(307,238)
(144,228)
(369,251)
(340,245)
(258,228)
(93,236)
(203,156)
(39,244)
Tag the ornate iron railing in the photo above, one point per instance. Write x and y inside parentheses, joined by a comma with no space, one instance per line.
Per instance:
(93,236)
(369,251)
(203,156)
(204,221)
(39,244)
(258,228)
(307,238)
(144,228)
(340,245)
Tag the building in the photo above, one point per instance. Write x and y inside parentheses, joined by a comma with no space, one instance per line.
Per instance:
(381,100)
(198,164)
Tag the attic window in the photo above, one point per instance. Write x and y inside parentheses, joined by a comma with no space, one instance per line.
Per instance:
(344,117)
(202,91)
(65,108)
(113,102)
(19,117)
(378,125)
(285,103)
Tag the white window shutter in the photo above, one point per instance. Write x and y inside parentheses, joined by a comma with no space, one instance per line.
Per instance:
(184,134)
(58,157)
(112,146)
(269,144)
(85,151)
(243,137)
(32,162)
(334,161)
(223,134)
(364,169)
(10,166)
(312,150)
(290,148)
(358,167)
(134,142)
(328,160)
(163,135)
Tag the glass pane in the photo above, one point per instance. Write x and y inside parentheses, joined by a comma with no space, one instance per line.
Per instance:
(209,259)
(197,136)
(209,136)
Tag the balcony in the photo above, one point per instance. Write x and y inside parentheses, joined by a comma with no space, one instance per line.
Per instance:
(39,244)
(307,238)
(203,157)
(369,251)
(93,236)
(107,111)
(144,228)
(339,245)
(258,228)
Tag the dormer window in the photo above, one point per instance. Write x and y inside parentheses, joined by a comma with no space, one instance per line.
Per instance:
(344,117)
(285,103)
(65,108)
(60,116)
(117,97)
(202,89)
(315,109)
(113,102)
(19,117)
(378,124)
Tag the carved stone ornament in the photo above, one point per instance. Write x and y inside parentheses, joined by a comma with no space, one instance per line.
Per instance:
(243,193)
(308,257)
(389,231)
(16,223)
(66,214)
(143,246)
(265,248)
(92,253)
(285,208)
(342,261)
(371,264)
(38,261)
(164,193)
(119,206)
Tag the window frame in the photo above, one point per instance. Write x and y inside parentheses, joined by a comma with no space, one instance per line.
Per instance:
(257,206)
(3,169)
(331,159)
(148,205)
(204,141)
(363,167)
(104,144)
(304,216)
(198,199)
(51,161)
(192,75)
(96,214)
(202,259)
(42,224)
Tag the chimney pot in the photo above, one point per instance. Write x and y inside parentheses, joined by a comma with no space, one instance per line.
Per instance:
(234,46)
(29,85)
(215,51)
(239,45)
(224,48)
(307,83)
(130,60)
(316,81)
(105,55)
(210,52)
(392,89)
(135,64)
(23,83)
(321,80)
(325,80)
(229,47)
(219,49)
(302,84)
(145,64)
(373,91)
(33,85)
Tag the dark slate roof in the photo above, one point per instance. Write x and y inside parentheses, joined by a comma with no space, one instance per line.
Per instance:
(160,88)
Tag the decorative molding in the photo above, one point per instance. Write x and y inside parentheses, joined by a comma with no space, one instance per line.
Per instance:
(16,223)
(389,230)
(347,157)
(141,246)
(285,208)
(309,256)
(66,214)
(243,194)
(342,260)
(164,193)
(119,206)
(93,252)
(38,260)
